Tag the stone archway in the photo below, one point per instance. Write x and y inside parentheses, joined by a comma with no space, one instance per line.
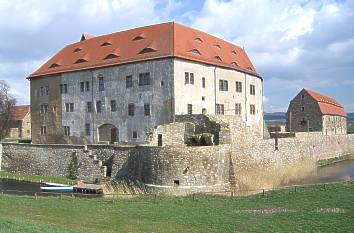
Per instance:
(108,133)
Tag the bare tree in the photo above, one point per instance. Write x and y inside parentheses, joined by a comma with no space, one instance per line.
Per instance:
(6,104)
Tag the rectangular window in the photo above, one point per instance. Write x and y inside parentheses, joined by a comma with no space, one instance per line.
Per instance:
(69,107)
(188,78)
(135,134)
(100,84)
(87,129)
(82,86)
(113,106)
(219,109)
(203,98)
(131,109)
(223,85)
(43,109)
(46,90)
(203,82)
(238,109)
(204,111)
(98,106)
(238,86)
(66,130)
(252,109)
(87,86)
(144,79)
(189,109)
(147,109)
(191,78)
(63,88)
(129,81)
(89,106)
(41,93)
(252,89)
(43,130)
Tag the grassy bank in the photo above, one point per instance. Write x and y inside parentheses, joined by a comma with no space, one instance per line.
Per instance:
(37,179)
(324,162)
(310,209)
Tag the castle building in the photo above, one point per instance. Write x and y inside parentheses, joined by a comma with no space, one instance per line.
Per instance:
(115,88)
(312,111)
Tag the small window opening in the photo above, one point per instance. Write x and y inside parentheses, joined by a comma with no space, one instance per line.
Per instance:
(106,44)
(81,60)
(199,40)
(195,52)
(110,56)
(217,46)
(159,139)
(217,58)
(147,50)
(176,182)
(77,50)
(138,38)
(54,65)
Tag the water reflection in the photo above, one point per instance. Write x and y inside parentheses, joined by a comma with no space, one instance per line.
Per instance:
(335,172)
(9,186)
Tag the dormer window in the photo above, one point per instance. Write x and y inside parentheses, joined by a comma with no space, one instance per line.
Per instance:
(54,65)
(233,52)
(138,38)
(111,56)
(106,44)
(77,50)
(81,60)
(147,50)
(195,52)
(249,68)
(234,64)
(198,40)
(217,46)
(217,58)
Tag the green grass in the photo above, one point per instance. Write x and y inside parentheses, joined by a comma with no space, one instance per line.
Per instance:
(278,211)
(34,178)
(351,128)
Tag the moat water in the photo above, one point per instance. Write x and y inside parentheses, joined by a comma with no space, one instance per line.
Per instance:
(335,172)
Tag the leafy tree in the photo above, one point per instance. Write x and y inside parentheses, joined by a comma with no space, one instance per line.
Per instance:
(6,104)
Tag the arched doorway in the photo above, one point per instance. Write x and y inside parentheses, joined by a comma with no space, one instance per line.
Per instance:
(108,133)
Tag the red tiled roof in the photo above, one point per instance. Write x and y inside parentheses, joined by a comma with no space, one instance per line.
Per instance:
(146,43)
(19,112)
(328,105)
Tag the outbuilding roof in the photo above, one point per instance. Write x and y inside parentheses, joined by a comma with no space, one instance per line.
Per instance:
(19,112)
(328,105)
(147,43)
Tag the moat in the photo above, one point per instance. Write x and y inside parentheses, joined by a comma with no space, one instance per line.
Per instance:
(335,172)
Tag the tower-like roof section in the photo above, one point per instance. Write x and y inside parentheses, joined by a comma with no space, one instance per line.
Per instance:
(147,43)
(328,105)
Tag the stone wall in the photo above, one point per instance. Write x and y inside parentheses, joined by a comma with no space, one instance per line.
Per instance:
(180,168)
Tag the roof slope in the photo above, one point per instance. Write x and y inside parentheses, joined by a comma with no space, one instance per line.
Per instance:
(19,112)
(146,43)
(328,105)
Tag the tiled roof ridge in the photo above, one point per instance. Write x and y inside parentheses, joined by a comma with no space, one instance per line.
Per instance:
(163,40)
(323,98)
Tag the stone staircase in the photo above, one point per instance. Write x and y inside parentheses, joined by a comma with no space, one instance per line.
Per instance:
(97,161)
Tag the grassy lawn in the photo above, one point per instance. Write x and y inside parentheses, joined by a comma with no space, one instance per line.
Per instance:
(33,178)
(310,209)
(351,128)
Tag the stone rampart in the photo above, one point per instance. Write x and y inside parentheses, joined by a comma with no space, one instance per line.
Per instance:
(179,168)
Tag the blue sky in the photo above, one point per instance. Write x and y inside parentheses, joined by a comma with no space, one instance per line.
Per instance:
(293,44)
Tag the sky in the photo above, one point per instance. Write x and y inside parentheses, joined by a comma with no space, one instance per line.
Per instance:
(293,44)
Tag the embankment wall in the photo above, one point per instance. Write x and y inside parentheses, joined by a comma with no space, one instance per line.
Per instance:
(179,167)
